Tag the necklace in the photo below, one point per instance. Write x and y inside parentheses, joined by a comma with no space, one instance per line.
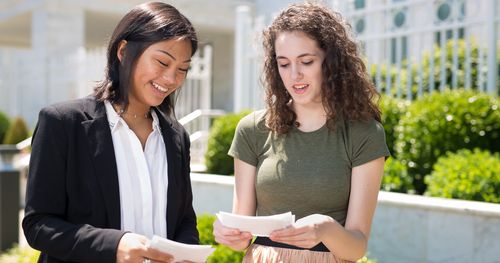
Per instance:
(122,112)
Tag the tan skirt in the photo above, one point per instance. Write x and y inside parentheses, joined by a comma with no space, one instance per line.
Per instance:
(265,254)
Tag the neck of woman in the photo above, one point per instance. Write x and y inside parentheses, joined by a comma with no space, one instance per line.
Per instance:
(309,117)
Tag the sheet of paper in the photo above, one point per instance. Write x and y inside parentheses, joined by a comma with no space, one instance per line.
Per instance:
(310,220)
(180,251)
(257,225)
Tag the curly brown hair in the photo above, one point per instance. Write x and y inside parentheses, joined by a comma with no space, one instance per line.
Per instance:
(347,89)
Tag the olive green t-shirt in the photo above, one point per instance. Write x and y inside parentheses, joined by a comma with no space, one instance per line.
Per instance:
(306,172)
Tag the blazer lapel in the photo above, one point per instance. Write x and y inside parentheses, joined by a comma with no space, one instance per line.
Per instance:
(174,156)
(100,142)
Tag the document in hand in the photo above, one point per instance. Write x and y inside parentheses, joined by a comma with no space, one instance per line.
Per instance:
(180,251)
(257,225)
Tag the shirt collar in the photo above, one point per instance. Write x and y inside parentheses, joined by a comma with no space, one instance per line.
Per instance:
(113,118)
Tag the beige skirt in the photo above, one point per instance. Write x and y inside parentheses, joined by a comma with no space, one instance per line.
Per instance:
(265,254)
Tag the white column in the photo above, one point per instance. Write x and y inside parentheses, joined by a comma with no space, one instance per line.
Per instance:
(240,52)
(58,32)
(492,48)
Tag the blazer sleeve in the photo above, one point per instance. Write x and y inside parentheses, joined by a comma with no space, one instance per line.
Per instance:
(187,231)
(44,222)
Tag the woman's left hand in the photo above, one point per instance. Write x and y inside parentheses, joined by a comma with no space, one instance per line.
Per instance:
(307,232)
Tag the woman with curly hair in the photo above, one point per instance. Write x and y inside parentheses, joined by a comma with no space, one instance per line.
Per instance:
(317,150)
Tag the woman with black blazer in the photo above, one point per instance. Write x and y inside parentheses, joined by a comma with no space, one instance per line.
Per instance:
(109,171)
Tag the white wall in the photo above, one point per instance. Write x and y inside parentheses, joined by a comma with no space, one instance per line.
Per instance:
(405,228)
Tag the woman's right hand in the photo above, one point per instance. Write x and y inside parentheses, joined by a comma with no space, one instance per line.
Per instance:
(133,248)
(231,237)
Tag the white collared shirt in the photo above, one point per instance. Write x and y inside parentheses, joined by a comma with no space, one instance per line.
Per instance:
(142,176)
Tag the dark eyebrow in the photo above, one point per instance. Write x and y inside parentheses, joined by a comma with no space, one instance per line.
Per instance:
(300,56)
(170,55)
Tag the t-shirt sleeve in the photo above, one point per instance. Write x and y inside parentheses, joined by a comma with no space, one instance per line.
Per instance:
(367,142)
(243,146)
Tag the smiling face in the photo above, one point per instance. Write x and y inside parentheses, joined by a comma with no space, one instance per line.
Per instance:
(160,70)
(300,62)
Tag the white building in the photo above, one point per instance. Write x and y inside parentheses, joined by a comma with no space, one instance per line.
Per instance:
(53,50)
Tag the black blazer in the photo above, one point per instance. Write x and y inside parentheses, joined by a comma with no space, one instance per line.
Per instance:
(72,211)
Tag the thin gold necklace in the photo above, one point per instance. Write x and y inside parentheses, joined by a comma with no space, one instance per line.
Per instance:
(122,112)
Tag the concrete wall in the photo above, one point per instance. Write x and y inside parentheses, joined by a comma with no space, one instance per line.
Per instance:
(405,228)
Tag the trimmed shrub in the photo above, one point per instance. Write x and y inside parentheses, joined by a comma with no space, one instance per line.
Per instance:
(4,125)
(205,228)
(446,121)
(469,175)
(20,255)
(219,140)
(222,254)
(396,177)
(17,132)
(392,110)
(366,260)
(428,59)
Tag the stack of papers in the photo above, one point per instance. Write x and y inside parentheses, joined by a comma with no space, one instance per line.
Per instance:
(257,225)
(180,251)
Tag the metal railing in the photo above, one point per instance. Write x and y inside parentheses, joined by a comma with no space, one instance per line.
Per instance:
(197,124)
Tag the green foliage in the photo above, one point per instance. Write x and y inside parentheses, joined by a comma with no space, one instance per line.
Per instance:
(470,175)
(4,125)
(446,121)
(17,132)
(392,109)
(205,228)
(222,254)
(366,260)
(219,140)
(428,71)
(20,255)
(396,177)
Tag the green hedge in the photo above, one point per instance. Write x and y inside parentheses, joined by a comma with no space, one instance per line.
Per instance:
(4,125)
(219,140)
(392,110)
(442,122)
(469,175)
(222,254)
(17,132)
(425,68)
(20,255)
(396,177)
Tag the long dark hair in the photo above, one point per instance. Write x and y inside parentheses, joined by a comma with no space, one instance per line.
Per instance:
(347,90)
(143,26)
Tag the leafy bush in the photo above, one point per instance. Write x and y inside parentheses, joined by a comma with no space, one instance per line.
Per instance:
(4,125)
(366,260)
(17,132)
(219,140)
(20,255)
(446,121)
(392,109)
(470,175)
(427,74)
(205,228)
(222,254)
(396,177)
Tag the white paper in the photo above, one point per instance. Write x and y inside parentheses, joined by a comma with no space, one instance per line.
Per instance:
(257,225)
(181,251)
(310,220)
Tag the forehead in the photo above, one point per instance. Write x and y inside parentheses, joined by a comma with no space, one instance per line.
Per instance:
(295,43)
(179,48)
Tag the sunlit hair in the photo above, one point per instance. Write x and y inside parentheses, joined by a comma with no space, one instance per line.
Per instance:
(347,90)
(144,25)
